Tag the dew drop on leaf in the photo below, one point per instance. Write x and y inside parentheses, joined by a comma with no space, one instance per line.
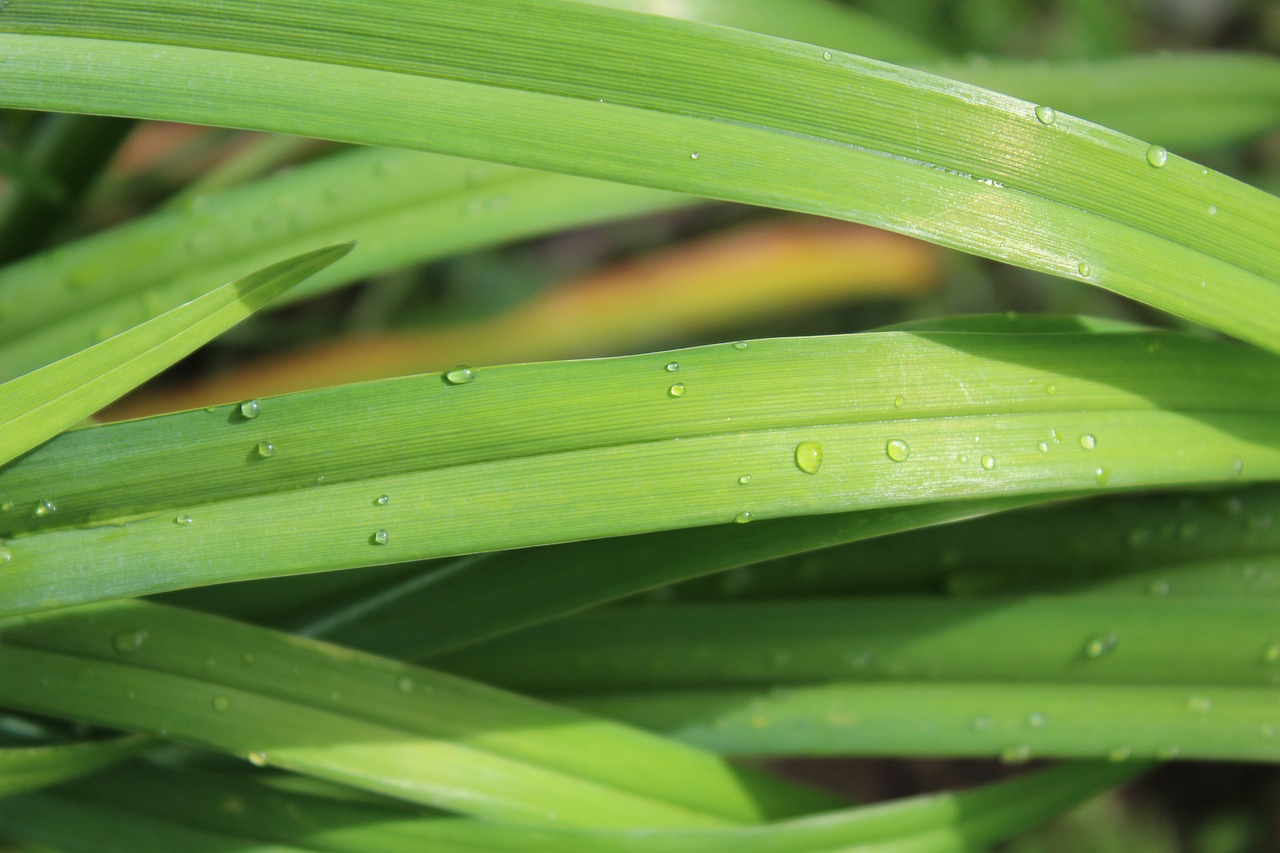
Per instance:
(381,537)
(1157,155)
(382,500)
(1101,646)
(672,366)
(988,461)
(1088,442)
(676,390)
(809,456)
(250,409)
(45,507)
(129,641)
(744,479)
(897,450)
(744,517)
(461,375)
(1046,115)
(266,449)
(258,759)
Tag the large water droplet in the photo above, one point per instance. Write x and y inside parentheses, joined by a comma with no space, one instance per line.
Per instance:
(672,366)
(1084,269)
(1101,476)
(382,500)
(183,519)
(461,375)
(988,461)
(741,345)
(744,517)
(266,449)
(826,54)
(5,555)
(381,537)
(250,409)
(676,390)
(1088,442)
(744,479)
(693,156)
(809,456)
(45,507)
(897,450)
(1157,155)
(258,759)
(1101,646)
(898,402)
(1046,115)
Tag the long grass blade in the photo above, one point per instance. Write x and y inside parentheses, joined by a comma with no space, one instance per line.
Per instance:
(852,138)
(43,403)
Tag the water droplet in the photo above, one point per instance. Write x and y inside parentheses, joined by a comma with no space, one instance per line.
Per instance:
(404,684)
(1158,589)
(826,54)
(1088,442)
(1046,115)
(672,366)
(1084,269)
(221,703)
(5,555)
(258,759)
(1157,155)
(6,506)
(130,641)
(382,500)
(744,479)
(1036,720)
(962,458)
(1019,754)
(980,724)
(988,461)
(1213,210)
(693,156)
(183,519)
(1101,645)
(461,375)
(1271,654)
(809,456)
(381,537)
(45,507)
(1200,704)
(676,390)
(266,449)
(1120,753)
(741,345)
(250,409)
(898,402)
(1101,476)
(1051,389)
(743,517)
(1168,753)
(1044,446)
(897,450)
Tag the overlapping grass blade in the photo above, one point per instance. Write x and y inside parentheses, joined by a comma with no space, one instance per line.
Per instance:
(43,403)
(1016,722)
(713,434)
(25,768)
(196,811)
(370,722)
(851,138)
(403,207)
(1207,544)
(1062,640)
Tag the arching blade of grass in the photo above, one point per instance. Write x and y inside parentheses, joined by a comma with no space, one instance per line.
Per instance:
(43,403)
(1016,722)
(404,207)
(1061,639)
(25,768)
(1216,544)
(370,722)
(750,431)
(177,805)
(716,112)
